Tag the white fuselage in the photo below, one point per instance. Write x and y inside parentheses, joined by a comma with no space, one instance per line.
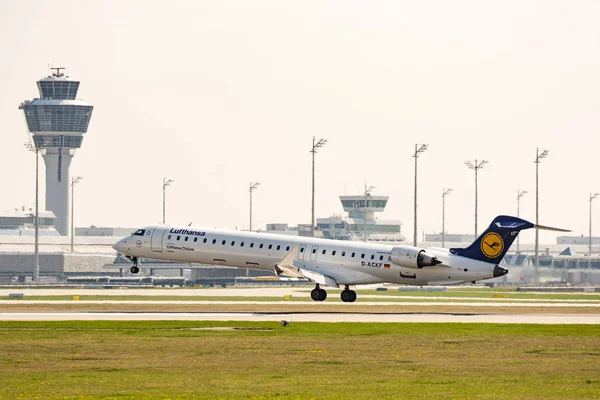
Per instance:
(348,263)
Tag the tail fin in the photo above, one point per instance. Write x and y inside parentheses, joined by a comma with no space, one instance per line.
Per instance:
(493,244)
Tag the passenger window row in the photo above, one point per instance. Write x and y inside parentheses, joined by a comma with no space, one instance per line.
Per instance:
(224,242)
(279,247)
(333,253)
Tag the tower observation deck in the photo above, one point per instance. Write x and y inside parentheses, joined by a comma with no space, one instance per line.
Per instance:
(57,120)
(361,222)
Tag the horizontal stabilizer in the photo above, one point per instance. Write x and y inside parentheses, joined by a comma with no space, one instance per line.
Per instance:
(493,244)
(549,228)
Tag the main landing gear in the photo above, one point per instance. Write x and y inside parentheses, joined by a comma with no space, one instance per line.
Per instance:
(135,269)
(318,294)
(348,296)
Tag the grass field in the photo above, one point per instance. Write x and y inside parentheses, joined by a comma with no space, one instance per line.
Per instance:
(186,360)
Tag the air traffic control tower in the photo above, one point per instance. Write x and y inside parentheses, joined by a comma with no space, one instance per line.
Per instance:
(57,121)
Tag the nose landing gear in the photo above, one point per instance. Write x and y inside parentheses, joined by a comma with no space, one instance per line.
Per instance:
(135,269)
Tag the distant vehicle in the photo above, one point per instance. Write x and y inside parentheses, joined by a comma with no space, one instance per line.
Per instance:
(328,262)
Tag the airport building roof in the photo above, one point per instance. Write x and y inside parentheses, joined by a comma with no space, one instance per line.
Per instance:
(22,223)
(54,244)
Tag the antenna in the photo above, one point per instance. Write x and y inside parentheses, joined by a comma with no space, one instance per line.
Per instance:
(57,73)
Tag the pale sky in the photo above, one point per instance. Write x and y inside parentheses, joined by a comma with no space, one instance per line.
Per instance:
(216,94)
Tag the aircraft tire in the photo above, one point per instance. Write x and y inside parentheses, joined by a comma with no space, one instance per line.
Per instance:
(352,296)
(322,295)
(346,296)
(316,294)
(134,270)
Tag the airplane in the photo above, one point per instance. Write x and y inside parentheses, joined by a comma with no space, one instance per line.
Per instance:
(326,262)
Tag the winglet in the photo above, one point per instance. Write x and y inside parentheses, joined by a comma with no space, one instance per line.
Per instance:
(287,267)
(288,260)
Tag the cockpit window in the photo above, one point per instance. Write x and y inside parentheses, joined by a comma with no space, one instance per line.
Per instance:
(139,232)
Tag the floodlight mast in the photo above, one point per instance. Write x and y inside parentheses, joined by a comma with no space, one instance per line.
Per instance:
(74,181)
(316,144)
(445,192)
(253,186)
(166,183)
(36,258)
(520,193)
(36,269)
(476,165)
(538,157)
(592,197)
(418,150)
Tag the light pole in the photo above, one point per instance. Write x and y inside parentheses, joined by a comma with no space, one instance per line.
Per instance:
(538,158)
(520,193)
(418,150)
(316,144)
(36,269)
(166,182)
(367,192)
(74,181)
(253,185)
(445,192)
(477,165)
(36,257)
(592,197)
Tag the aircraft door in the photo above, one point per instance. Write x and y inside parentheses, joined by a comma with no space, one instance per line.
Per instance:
(302,252)
(157,237)
(313,253)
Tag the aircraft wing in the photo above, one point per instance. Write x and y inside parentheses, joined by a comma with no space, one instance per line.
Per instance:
(287,268)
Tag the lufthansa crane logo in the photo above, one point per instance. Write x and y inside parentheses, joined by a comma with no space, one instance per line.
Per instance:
(492,245)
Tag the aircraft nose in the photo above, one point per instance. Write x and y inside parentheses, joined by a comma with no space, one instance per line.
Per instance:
(499,271)
(120,246)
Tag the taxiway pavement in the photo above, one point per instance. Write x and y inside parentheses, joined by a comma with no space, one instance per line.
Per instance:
(306,317)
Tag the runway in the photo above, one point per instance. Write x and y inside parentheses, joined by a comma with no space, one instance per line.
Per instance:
(570,319)
(489,303)
(275,293)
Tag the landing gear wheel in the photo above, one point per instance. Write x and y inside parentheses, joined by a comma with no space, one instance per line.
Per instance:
(318,294)
(134,270)
(323,295)
(352,296)
(346,296)
(315,294)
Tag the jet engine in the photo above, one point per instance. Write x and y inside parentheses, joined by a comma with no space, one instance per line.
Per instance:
(412,257)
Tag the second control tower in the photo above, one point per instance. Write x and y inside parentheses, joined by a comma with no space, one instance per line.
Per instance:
(57,121)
